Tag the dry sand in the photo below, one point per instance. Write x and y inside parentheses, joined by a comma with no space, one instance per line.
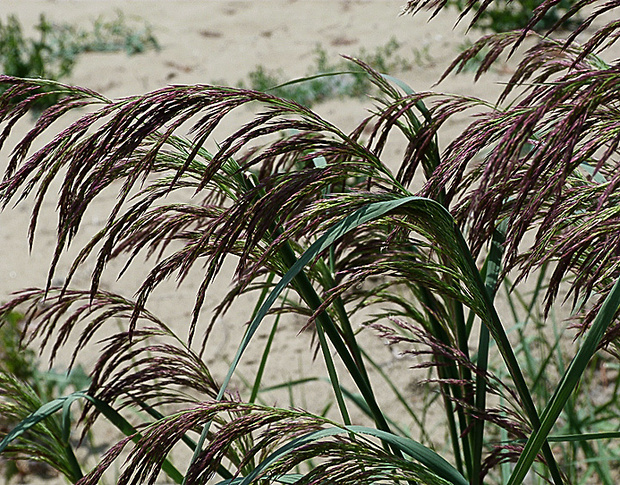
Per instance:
(221,41)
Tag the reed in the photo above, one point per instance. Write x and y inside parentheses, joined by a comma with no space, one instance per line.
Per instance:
(320,226)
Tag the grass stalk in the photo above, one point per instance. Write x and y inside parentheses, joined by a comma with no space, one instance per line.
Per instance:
(497,331)
(567,385)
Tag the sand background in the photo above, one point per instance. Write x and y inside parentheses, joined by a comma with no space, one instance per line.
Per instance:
(222,41)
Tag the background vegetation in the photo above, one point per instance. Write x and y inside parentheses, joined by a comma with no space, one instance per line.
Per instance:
(328,79)
(53,53)
(507,15)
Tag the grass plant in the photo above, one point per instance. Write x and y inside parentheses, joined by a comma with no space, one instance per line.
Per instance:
(320,227)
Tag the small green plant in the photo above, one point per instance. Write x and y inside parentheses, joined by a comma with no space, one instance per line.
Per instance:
(325,80)
(54,52)
(113,35)
(20,361)
(47,57)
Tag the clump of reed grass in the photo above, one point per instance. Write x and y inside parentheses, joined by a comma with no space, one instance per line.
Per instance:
(305,208)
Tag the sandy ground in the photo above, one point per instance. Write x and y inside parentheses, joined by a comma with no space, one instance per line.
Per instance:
(221,41)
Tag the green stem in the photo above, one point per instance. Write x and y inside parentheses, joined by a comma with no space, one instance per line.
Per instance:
(496,329)
(333,375)
(263,362)
(446,370)
(491,273)
(76,470)
(312,299)
(347,330)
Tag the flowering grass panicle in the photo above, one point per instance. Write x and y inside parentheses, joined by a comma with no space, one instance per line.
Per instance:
(319,226)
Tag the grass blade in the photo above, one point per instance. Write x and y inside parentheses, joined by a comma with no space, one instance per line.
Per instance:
(263,361)
(287,479)
(43,412)
(601,435)
(110,413)
(410,447)
(493,269)
(361,216)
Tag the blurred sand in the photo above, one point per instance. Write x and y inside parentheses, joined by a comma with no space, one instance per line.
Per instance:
(221,41)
